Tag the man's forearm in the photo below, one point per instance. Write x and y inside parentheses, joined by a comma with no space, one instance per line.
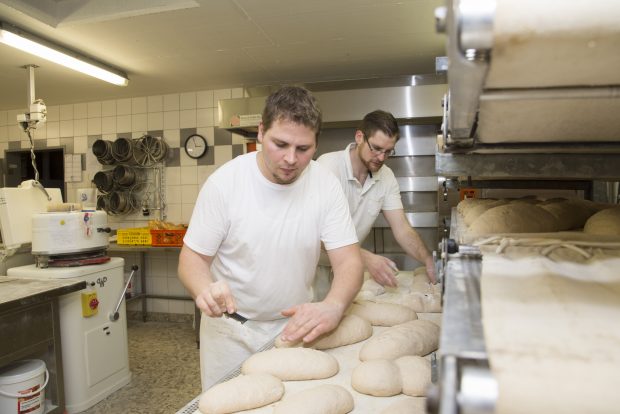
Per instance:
(348,274)
(194,271)
(413,245)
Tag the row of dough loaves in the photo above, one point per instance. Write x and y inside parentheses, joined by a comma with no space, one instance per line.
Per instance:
(400,346)
(531,215)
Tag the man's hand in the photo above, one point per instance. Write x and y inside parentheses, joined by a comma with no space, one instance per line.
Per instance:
(216,299)
(430,270)
(310,320)
(381,269)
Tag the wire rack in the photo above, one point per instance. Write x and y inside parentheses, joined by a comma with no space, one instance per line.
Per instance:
(145,158)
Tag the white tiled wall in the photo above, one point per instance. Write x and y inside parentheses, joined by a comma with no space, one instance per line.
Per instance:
(77,126)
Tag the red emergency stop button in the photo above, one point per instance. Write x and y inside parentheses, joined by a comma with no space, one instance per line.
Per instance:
(93,303)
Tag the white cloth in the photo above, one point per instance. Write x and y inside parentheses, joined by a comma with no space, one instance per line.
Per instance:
(225,344)
(265,236)
(379,192)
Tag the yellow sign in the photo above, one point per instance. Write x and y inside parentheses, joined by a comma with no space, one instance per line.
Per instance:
(90,304)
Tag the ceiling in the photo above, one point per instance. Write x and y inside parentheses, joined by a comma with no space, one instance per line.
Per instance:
(171,46)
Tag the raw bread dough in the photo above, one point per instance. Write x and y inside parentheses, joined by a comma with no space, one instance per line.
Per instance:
(465,205)
(372,286)
(406,406)
(409,374)
(417,301)
(350,330)
(258,390)
(380,377)
(514,218)
(369,289)
(417,337)
(475,211)
(415,374)
(382,314)
(292,364)
(566,214)
(604,223)
(323,399)
(420,271)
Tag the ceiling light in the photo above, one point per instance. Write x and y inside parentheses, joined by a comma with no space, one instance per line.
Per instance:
(17,38)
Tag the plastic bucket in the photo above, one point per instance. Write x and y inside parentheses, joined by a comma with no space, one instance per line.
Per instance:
(22,387)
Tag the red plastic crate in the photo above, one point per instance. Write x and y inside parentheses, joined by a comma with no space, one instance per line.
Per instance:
(167,238)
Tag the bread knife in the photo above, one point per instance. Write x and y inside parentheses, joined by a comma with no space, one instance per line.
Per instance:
(236,317)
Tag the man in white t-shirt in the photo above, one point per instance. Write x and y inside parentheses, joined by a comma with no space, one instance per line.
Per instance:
(255,237)
(370,188)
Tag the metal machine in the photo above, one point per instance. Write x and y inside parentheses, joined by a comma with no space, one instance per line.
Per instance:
(533,102)
(93,324)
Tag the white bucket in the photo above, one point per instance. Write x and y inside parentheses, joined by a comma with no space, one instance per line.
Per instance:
(22,387)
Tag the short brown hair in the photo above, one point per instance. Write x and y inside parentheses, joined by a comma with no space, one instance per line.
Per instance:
(379,120)
(292,103)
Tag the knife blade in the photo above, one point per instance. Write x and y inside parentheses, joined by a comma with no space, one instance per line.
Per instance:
(236,317)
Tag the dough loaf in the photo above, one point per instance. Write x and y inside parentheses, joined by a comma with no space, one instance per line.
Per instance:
(419,302)
(514,218)
(604,223)
(406,406)
(420,271)
(415,374)
(258,390)
(475,211)
(467,204)
(566,215)
(292,364)
(323,399)
(350,330)
(380,377)
(409,374)
(417,337)
(382,314)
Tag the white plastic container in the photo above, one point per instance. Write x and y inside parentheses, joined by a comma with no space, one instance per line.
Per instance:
(22,387)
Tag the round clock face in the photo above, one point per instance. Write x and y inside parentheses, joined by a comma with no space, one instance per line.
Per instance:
(195,146)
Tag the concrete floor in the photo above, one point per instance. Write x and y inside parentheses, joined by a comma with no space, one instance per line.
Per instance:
(164,362)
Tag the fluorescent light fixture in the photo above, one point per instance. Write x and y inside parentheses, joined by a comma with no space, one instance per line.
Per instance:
(17,38)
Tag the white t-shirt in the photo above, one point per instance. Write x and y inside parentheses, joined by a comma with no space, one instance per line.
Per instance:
(379,192)
(265,236)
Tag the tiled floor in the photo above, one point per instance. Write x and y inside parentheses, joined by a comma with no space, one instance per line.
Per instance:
(164,362)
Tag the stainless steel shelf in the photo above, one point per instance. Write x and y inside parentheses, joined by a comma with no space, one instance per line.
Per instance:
(602,166)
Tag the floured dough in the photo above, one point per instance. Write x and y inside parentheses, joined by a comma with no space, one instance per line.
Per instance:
(292,364)
(380,378)
(406,406)
(604,223)
(475,211)
(514,218)
(417,337)
(323,399)
(415,374)
(382,314)
(258,390)
(409,374)
(372,286)
(419,302)
(565,214)
(420,271)
(467,204)
(350,330)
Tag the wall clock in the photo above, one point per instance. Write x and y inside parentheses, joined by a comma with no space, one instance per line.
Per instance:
(195,146)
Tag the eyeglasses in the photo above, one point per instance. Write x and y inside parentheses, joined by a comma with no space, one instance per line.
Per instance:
(377,151)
